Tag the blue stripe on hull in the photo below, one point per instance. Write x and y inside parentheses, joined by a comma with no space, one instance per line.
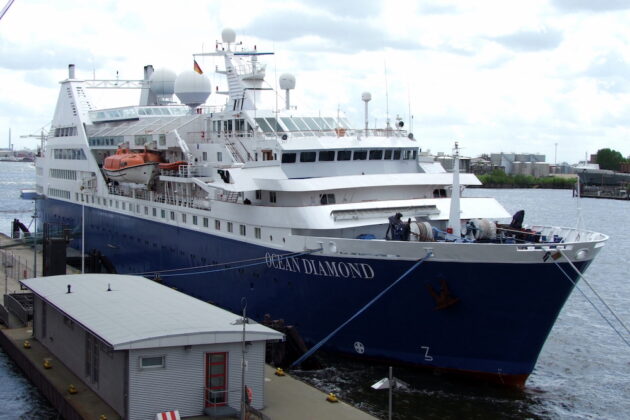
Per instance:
(499,324)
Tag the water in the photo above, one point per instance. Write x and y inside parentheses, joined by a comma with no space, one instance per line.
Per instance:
(15,176)
(19,399)
(583,371)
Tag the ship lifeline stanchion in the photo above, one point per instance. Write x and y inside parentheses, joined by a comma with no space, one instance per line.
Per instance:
(360,311)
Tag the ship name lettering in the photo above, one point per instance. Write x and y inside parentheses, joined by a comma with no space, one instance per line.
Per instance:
(320,268)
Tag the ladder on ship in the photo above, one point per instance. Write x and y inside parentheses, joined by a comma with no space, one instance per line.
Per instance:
(237,156)
(231,196)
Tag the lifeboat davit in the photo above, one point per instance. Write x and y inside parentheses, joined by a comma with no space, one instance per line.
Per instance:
(134,167)
(172,166)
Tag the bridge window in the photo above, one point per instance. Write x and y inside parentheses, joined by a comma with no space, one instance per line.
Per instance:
(397,154)
(360,155)
(326,155)
(288,157)
(376,154)
(308,156)
(388,154)
(344,155)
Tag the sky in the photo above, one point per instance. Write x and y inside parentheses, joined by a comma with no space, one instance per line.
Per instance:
(536,76)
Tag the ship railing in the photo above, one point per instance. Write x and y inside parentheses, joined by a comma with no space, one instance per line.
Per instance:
(565,234)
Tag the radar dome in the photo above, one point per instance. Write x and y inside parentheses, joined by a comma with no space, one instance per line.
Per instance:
(287,81)
(228,35)
(163,82)
(192,88)
(366,96)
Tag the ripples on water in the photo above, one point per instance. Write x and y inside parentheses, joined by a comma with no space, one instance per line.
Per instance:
(583,371)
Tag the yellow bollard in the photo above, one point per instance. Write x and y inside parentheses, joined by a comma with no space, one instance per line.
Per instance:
(47,364)
(279,372)
(72,389)
(102,417)
(332,398)
(27,344)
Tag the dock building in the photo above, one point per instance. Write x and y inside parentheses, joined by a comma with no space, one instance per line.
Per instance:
(145,348)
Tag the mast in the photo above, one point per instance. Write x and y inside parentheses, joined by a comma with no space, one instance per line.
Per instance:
(454,222)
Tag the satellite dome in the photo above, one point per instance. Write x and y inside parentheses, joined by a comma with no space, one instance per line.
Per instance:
(228,35)
(366,96)
(287,81)
(192,88)
(162,82)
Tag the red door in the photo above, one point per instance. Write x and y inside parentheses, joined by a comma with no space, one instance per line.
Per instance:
(216,379)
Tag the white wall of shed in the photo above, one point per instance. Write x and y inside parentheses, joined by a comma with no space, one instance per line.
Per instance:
(180,385)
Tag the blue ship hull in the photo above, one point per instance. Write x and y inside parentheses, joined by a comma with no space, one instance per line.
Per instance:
(496,322)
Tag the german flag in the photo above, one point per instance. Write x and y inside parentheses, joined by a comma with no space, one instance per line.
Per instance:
(197,68)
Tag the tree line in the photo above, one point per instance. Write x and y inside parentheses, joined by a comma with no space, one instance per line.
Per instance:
(499,179)
(610,159)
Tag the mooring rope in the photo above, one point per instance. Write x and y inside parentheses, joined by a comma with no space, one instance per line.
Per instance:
(194,273)
(594,291)
(590,301)
(148,273)
(360,311)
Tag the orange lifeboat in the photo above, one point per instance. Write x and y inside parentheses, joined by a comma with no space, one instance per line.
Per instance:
(129,166)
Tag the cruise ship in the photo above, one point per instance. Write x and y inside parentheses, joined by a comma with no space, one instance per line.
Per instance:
(311,220)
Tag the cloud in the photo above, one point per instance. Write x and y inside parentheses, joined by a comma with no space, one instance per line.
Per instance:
(347,8)
(41,57)
(527,41)
(612,73)
(591,5)
(339,33)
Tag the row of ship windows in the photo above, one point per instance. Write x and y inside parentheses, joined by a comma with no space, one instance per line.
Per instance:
(332,155)
(63,174)
(69,154)
(65,132)
(172,215)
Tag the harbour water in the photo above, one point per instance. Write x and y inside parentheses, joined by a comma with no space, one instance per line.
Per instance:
(583,371)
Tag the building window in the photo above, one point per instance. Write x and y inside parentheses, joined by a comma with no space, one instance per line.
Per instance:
(272,196)
(217,224)
(163,213)
(205,222)
(288,157)
(257,233)
(154,212)
(243,230)
(326,155)
(172,215)
(258,194)
(229,227)
(204,156)
(183,217)
(194,220)
(152,362)
(219,157)
(216,379)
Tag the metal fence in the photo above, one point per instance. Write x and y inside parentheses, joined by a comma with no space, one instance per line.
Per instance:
(15,267)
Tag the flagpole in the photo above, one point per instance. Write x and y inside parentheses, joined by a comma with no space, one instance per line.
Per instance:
(391,385)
